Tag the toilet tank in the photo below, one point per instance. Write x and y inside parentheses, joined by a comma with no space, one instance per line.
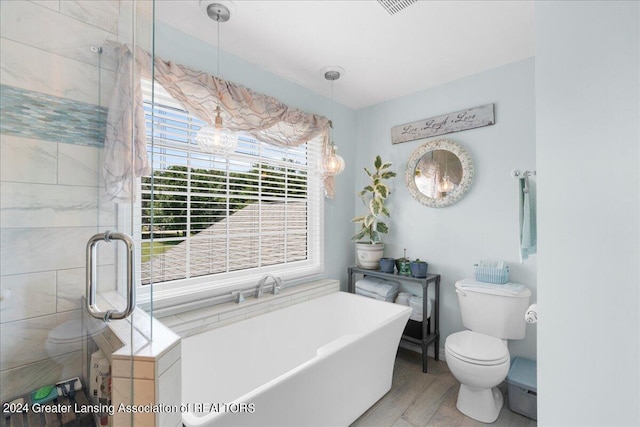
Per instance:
(493,311)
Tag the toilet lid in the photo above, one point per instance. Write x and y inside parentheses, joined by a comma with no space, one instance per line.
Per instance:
(477,348)
(69,332)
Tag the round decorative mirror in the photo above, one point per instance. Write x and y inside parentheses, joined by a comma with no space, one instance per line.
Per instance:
(439,173)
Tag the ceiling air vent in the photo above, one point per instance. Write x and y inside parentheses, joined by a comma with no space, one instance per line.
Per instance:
(395,6)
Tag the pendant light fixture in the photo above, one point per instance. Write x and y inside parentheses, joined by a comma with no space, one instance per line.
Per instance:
(446,185)
(217,139)
(332,163)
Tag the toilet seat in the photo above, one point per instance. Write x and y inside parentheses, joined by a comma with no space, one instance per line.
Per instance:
(477,349)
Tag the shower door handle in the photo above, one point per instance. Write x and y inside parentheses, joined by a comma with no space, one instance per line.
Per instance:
(92,306)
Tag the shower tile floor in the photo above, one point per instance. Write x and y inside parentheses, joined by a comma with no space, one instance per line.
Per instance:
(417,399)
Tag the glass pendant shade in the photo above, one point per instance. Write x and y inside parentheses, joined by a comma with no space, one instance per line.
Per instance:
(333,164)
(217,139)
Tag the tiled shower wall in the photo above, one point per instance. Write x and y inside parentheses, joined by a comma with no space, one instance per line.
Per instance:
(54,96)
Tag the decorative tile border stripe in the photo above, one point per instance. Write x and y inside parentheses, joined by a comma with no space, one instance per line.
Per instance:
(40,116)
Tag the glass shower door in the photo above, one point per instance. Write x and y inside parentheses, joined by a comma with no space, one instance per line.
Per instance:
(114,294)
(56,80)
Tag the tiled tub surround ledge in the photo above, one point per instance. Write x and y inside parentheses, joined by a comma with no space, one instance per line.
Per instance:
(156,370)
(196,321)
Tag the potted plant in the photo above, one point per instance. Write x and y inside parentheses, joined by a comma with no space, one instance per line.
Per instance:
(373,195)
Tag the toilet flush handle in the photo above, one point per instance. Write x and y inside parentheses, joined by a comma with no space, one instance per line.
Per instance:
(461,292)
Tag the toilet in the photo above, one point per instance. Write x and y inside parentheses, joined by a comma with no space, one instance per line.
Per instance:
(67,338)
(479,357)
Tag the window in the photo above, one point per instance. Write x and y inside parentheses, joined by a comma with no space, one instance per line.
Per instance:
(211,222)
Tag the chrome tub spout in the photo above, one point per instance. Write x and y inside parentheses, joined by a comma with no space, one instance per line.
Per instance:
(277,285)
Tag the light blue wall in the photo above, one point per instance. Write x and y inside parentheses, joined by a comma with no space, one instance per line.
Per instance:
(484,224)
(452,239)
(177,46)
(588,127)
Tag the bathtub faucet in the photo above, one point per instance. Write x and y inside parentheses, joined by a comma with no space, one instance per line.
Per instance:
(239,297)
(277,285)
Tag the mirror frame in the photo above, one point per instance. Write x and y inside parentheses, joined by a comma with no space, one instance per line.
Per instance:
(460,190)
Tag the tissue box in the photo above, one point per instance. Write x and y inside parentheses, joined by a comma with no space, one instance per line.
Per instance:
(521,380)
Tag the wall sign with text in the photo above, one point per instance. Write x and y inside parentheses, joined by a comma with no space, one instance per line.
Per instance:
(453,122)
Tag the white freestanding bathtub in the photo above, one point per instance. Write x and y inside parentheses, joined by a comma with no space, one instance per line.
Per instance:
(322,362)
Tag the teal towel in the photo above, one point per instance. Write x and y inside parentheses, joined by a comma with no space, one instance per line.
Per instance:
(527,208)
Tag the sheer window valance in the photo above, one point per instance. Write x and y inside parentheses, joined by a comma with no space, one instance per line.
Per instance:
(263,117)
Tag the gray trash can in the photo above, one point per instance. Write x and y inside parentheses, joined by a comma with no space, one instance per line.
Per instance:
(523,394)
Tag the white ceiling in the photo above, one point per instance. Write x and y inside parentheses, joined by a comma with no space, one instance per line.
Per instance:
(384,56)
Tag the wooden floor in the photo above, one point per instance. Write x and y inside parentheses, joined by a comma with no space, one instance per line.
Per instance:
(417,399)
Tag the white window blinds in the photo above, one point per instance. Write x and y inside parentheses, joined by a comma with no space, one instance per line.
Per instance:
(257,209)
